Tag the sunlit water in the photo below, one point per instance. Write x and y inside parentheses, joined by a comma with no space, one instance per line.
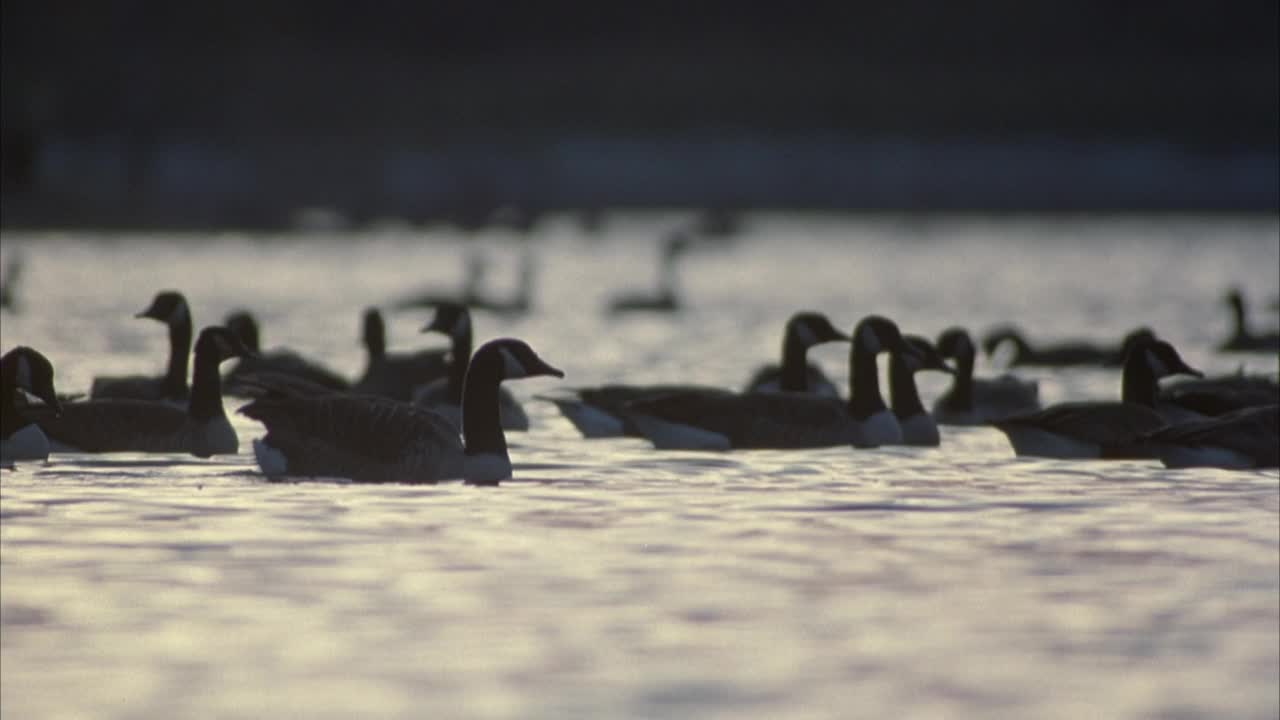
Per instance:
(610,580)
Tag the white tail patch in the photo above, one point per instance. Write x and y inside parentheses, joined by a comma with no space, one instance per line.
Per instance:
(591,421)
(674,436)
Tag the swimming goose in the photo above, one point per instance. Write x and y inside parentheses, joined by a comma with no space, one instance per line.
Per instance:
(287,362)
(1072,352)
(721,420)
(444,395)
(976,401)
(128,425)
(170,308)
(1242,339)
(1080,430)
(1243,439)
(796,374)
(665,299)
(918,426)
(372,439)
(1209,397)
(395,375)
(24,369)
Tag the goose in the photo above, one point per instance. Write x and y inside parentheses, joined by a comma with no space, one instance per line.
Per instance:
(24,369)
(128,425)
(1243,439)
(245,326)
(170,308)
(395,375)
(918,426)
(1242,339)
(601,411)
(1106,430)
(1072,352)
(1209,397)
(444,395)
(373,439)
(719,420)
(795,373)
(975,401)
(8,293)
(665,298)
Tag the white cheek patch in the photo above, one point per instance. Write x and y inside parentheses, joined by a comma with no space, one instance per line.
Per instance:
(23,373)
(511,365)
(1157,365)
(806,336)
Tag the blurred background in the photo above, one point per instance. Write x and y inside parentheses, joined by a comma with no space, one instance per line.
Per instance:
(235,114)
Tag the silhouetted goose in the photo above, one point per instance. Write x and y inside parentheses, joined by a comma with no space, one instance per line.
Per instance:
(170,308)
(127,425)
(1102,429)
(721,420)
(1243,439)
(395,375)
(918,426)
(24,369)
(444,395)
(1209,397)
(1075,352)
(372,439)
(976,401)
(665,298)
(1242,339)
(286,362)
(796,374)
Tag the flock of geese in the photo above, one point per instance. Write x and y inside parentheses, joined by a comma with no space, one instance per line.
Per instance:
(442,414)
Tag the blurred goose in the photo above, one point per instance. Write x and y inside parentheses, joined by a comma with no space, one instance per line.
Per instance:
(719,420)
(24,369)
(444,395)
(1208,397)
(127,425)
(395,375)
(1074,352)
(1080,430)
(918,426)
(170,308)
(245,327)
(1243,439)
(372,439)
(976,401)
(1242,339)
(9,281)
(796,374)
(665,298)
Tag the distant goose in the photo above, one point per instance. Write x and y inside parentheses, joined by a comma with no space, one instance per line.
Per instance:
(24,369)
(976,401)
(796,374)
(1210,397)
(372,439)
(718,420)
(918,426)
(127,425)
(1243,439)
(1075,352)
(444,395)
(9,283)
(665,298)
(1082,430)
(395,376)
(1242,339)
(170,308)
(245,327)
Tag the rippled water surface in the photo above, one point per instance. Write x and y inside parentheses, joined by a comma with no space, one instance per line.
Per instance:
(610,580)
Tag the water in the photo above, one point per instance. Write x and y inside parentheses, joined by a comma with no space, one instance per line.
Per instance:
(610,580)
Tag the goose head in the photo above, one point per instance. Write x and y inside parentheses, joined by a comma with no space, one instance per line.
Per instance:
(1160,358)
(813,328)
(956,344)
(33,373)
(221,344)
(929,357)
(876,334)
(168,306)
(452,319)
(1001,335)
(245,327)
(512,359)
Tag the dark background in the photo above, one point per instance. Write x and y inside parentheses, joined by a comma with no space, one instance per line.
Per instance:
(241,114)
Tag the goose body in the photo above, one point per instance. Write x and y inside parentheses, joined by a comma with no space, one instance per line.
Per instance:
(795,374)
(24,369)
(126,425)
(444,395)
(918,426)
(169,307)
(785,420)
(1080,430)
(1062,354)
(977,401)
(664,298)
(395,375)
(1243,439)
(373,439)
(1209,397)
(279,362)
(1242,339)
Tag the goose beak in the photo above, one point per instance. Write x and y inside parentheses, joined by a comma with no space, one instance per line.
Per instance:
(542,368)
